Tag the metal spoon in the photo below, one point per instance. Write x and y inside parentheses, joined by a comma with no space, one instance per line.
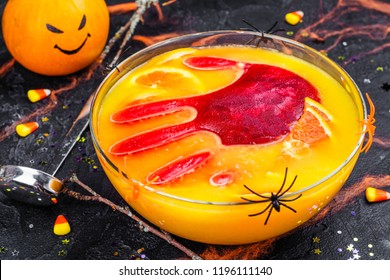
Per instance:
(37,187)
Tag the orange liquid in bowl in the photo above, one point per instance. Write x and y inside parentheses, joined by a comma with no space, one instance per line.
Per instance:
(221,144)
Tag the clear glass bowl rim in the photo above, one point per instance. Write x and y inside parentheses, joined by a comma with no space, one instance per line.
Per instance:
(205,34)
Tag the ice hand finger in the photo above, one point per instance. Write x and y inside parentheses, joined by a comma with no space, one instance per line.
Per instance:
(144,111)
(178,168)
(151,139)
(209,63)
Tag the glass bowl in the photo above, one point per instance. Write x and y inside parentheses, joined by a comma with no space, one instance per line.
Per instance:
(218,202)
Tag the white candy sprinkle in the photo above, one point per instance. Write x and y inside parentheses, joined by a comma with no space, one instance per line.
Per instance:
(367,81)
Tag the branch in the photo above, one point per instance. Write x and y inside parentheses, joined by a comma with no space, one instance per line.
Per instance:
(125,210)
(130,26)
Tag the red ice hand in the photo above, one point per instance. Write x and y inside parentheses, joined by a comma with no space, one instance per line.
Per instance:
(260,107)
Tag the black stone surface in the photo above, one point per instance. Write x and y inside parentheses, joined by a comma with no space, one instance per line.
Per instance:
(98,232)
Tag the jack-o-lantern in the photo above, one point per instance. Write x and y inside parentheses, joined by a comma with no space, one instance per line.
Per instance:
(55,37)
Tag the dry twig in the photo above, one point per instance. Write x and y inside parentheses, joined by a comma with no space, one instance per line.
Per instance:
(125,210)
(130,26)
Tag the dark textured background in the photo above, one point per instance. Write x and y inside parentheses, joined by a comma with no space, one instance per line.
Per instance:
(98,232)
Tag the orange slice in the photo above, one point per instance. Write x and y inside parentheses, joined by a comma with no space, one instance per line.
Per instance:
(168,78)
(173,55)
(313,125)
(320,109)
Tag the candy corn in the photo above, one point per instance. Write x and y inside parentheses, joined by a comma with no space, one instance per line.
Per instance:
(61,226)
(25,129)
(294,18)
(375,195)
(34,95)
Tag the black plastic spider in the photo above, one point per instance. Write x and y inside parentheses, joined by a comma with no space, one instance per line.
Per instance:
(274,199)
(117,60)
(262,38)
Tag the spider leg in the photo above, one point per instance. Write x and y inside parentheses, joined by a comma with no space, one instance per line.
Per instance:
(285,205)
(260,195)
(272,27)
(256,214)
(279,194)
(271,31)
(254,28)
(290,199)
(254,201)
(261,32)
(292,183)
(277,30)
(251,40)
(269,214)
(275,202)
(284,182)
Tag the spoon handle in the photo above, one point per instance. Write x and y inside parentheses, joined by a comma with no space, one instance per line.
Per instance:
(71,137)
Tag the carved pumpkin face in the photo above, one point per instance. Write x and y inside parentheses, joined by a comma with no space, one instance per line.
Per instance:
(55,37)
